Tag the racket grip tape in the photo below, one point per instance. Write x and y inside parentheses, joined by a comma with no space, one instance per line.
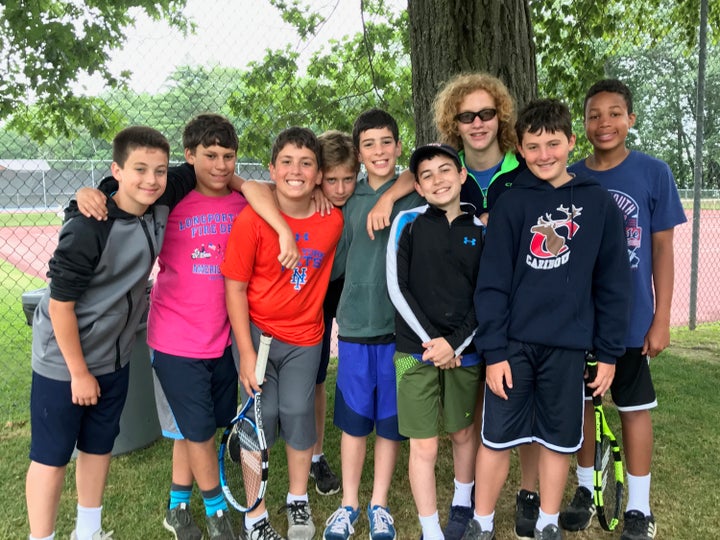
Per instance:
(262,357)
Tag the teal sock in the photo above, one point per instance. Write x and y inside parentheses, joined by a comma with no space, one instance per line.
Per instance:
(178,495)
(214,501)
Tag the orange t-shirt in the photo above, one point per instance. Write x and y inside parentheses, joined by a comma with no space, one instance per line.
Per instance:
(284,302)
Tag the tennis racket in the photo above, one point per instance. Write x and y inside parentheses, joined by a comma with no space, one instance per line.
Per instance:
(608,473)
(243,455)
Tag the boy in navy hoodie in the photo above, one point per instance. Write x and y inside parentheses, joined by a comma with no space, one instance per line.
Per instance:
(553,283)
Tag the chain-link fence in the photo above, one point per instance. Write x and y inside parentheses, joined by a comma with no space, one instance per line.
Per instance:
(244,62)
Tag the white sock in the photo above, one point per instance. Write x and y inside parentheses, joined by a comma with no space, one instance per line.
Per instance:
(51,537)
(585,478)
(431,527)
(487,523)
(461,497)
(546,519)
(316,457)
(89,521)
(294,498)
(251,521)
(639,493)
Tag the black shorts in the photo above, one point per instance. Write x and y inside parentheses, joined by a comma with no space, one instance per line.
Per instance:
(632,388)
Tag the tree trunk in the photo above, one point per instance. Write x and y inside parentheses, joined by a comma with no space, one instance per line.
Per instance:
(452,36)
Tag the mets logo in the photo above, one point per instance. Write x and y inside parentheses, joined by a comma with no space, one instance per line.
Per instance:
(548,245)
(299,277)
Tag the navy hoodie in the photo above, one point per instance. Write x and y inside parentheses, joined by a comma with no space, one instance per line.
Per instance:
(554,270)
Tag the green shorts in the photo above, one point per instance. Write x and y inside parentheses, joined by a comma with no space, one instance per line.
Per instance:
(423,391)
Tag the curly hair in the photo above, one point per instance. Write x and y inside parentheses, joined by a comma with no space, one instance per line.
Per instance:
(448,101)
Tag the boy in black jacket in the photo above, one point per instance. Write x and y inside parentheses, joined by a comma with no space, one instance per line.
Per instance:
(553,283)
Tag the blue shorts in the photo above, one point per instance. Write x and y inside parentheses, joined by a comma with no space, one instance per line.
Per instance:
(544,405)
(58,425)
(366,390)
(201,394)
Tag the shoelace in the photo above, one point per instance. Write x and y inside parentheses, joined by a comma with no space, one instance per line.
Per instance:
(529,506)
(264,531)
(324,468)
(299,512)
(381,520)
(636,523)
(339,522)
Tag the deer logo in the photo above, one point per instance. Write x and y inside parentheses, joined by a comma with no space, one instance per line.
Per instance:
(546,241)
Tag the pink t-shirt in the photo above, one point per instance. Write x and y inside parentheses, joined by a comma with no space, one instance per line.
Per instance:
(187,315)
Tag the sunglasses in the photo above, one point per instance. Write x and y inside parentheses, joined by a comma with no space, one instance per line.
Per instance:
(469,117)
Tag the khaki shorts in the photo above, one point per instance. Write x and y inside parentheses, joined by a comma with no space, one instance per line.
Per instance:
(427,394)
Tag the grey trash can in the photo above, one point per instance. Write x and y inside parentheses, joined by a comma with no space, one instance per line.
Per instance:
(139,425)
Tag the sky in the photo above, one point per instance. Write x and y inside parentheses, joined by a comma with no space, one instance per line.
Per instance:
(229,33)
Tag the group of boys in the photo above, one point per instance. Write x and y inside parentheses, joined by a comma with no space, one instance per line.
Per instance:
(513,289)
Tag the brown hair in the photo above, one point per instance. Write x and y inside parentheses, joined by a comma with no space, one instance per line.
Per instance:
(338,150)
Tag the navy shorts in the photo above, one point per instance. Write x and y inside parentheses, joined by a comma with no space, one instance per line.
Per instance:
(366,390)
(201,393)
(58,425)
(545,404)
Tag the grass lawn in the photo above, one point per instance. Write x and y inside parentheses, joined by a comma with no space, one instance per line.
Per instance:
(684,495)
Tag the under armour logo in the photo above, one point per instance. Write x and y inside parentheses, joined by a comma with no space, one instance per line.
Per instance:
(303,236)
(471,241)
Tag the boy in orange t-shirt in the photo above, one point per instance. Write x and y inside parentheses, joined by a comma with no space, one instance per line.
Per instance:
(264,296)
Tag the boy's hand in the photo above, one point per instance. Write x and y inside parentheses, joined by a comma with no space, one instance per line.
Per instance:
(657,339)
(85,389)
(92,203)
(379,216)
(289,252)
(322,203)
(497,376)
(248,359)
(603,379)
(440,353)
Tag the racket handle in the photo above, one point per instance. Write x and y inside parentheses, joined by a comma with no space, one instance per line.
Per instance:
(262,357)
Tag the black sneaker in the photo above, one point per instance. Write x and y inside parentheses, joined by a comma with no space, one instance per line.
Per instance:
(638,526)
(326,481)
(550,532)
(179,521)
(219,526)
(527,508)
(459,518)
(578,515)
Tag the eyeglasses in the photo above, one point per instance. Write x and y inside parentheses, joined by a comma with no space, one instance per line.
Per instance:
(469,117)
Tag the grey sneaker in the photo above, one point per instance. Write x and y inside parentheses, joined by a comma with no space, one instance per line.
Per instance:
(474,532)
(97,535)
(262,530)
(381,523)
(549,532)
(179,521)
(339,526)
(638,526)
(527,508)
(326,481)
(300,524)
(578,515)
(219,526)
